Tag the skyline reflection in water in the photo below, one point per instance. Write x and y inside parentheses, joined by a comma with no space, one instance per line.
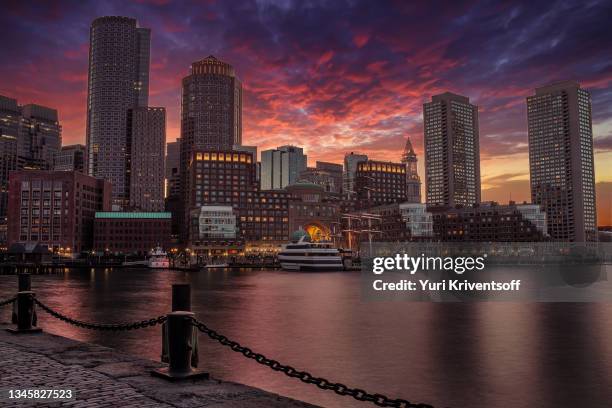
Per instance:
(485,354)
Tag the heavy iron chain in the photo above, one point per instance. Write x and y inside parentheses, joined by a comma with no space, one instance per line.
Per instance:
(7,301)
(100,326)
(322,383)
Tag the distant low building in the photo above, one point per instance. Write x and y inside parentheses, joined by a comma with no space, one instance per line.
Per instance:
(214,228)
(281,167)
(131,232)
(490,222)
(70,158)
(396,222)
(55,208)
(310,210)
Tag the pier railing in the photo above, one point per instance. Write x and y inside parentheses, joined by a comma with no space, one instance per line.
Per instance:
(180,342)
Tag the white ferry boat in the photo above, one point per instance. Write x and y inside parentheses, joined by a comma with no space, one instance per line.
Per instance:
(158,259)
(303,255)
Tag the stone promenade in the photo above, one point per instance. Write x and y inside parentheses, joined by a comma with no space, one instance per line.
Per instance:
(103,377)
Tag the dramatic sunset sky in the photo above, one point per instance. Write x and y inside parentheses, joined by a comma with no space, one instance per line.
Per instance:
(339,76)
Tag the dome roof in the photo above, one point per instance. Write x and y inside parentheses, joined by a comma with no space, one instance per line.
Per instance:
(297,235)
(304,184)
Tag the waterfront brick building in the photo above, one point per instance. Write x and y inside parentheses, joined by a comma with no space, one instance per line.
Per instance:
(131,232)
(55,208)
(228,178)
(311,211)
(379,182)
(490,222)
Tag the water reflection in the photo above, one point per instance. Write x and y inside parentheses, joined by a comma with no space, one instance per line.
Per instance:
(459,355)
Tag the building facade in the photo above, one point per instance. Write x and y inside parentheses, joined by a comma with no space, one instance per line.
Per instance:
(70,158)
(9,133)
(350,168)
(322,178)
(118,80)
(214,229)
(40,137)
(227,178)
(135,233)
(490,222)
(211,117)
(561,164)
(452,152)
(281,167)
(30,137)
(211,114)
(335,171)
(378,183)
(146,144)
(311,211)
(55,208)
(413,181)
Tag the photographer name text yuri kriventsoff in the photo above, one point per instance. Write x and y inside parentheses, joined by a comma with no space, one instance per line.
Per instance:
(458,265)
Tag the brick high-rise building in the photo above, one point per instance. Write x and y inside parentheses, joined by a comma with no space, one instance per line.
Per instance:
(211,116)
(147,142)
(55,208)
(118,80)
(452,153)
(561,160)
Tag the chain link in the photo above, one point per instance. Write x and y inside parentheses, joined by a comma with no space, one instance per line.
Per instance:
(340,389)
(7,301)
(100,326)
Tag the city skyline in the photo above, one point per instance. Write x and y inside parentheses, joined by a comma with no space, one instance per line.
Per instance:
(357,88)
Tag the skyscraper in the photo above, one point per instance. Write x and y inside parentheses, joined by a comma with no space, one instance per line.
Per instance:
(350,168)
(30,137)
(211,117)
(173,182)
(281,167)
(40,137)
(9,132)
(561,160)
(452,152)
(413,181)
(118,81)
(146,144)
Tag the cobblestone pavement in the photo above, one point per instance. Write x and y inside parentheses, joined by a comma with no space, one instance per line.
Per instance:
(103,377)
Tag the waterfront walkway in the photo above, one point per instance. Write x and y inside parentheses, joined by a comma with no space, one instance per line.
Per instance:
(103,377)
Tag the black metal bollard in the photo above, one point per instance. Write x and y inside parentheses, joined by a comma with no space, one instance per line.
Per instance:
(25,308)
(180,337)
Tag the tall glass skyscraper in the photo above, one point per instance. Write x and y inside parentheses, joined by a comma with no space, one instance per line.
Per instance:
(119,53)
(561,160)
(452,151)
